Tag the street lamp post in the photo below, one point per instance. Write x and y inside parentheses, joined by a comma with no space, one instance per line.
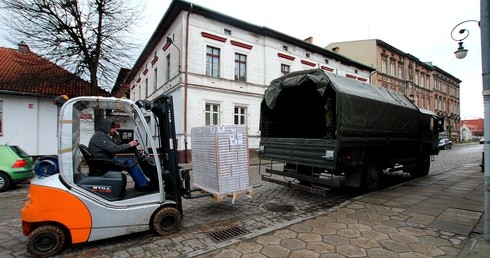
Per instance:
(460,53)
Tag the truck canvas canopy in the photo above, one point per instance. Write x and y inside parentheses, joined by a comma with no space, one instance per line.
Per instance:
(301,99)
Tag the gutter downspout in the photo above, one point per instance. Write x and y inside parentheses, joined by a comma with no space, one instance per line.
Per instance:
(185,83)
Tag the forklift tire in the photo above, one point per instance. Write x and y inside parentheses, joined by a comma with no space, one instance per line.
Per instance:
(45,241)
(166,221)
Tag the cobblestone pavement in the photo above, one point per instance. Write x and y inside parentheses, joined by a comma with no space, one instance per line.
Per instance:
(252,217)
(434,216)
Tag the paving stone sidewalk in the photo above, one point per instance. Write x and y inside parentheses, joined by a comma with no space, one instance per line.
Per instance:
(436,216)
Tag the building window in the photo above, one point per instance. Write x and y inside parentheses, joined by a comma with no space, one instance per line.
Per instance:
(144,89)
(422,80)
(240,67)
(383,66)
(1,117)
(284,69)
(168,68)
(392,69)
(285,48)
(326,61)
(428,82)
(240,115)
(155,79)
(307,54)
(212,61)
(227,32)
(400,72)
(211,114)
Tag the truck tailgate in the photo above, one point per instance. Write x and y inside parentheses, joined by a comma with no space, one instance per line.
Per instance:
(301,151)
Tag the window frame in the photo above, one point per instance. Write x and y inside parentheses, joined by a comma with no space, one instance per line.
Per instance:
(155,79)
(240,115)
(383,65)
(240,67)
(213,61)
(211,113)
(168,67)
(285,71)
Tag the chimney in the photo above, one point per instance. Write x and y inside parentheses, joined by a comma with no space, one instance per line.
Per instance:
(23,47)
(309,40)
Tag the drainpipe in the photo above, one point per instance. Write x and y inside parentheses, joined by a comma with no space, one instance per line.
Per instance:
(185,84)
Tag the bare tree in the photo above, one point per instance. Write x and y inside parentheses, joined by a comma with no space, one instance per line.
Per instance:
(91,38)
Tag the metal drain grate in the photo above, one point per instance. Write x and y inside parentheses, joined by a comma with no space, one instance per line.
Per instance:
(277,207)
(227,233)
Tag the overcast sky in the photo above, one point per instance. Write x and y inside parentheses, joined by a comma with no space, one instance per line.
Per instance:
(419,27)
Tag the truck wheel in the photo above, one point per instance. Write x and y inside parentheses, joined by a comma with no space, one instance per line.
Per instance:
(423,166)
(305,171)
(371,178)
(4,182)
(45,241)
(166,221)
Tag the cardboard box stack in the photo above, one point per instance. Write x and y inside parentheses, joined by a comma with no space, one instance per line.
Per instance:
(220,160)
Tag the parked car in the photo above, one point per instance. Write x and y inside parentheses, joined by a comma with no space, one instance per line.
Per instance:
(445,144)
(482,140)
(15,166)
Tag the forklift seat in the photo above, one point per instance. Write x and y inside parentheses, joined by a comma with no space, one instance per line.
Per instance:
(111,186)
(97,167)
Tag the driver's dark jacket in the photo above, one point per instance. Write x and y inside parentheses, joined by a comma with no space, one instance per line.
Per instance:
(102,146)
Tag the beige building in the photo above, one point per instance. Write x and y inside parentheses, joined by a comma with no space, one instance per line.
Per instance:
(428,86)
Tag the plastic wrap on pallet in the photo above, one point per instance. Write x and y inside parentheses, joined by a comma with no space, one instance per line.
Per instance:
(220,159)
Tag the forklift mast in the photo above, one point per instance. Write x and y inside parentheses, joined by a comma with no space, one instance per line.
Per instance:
(163,110)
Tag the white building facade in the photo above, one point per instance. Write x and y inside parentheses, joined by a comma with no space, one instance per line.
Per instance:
(217,68)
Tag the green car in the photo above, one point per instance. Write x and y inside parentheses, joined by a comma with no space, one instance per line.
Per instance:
(15,166)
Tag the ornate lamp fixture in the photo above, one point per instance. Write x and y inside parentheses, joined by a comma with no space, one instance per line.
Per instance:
(461,52)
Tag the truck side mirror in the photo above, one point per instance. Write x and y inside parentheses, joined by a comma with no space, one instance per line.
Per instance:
(439,124)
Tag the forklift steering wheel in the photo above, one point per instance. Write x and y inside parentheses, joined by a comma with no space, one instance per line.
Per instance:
(142,156)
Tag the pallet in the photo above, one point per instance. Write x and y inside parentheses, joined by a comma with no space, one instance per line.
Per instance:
(233,196)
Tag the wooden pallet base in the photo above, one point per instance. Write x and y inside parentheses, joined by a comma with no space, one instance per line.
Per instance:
(233,196)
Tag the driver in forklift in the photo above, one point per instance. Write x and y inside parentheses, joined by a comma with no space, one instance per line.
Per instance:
(103,146)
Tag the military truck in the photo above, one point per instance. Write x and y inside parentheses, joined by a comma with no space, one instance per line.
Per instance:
(321,130)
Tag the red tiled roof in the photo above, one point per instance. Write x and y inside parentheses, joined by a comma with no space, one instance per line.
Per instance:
(121,89)
(473,124)
(24,72)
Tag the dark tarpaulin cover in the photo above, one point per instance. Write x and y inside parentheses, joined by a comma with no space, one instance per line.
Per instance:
(361,108)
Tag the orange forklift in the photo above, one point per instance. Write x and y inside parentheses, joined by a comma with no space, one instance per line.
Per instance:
(72,205)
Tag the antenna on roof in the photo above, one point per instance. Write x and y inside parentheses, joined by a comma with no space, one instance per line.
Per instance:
(10,139)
